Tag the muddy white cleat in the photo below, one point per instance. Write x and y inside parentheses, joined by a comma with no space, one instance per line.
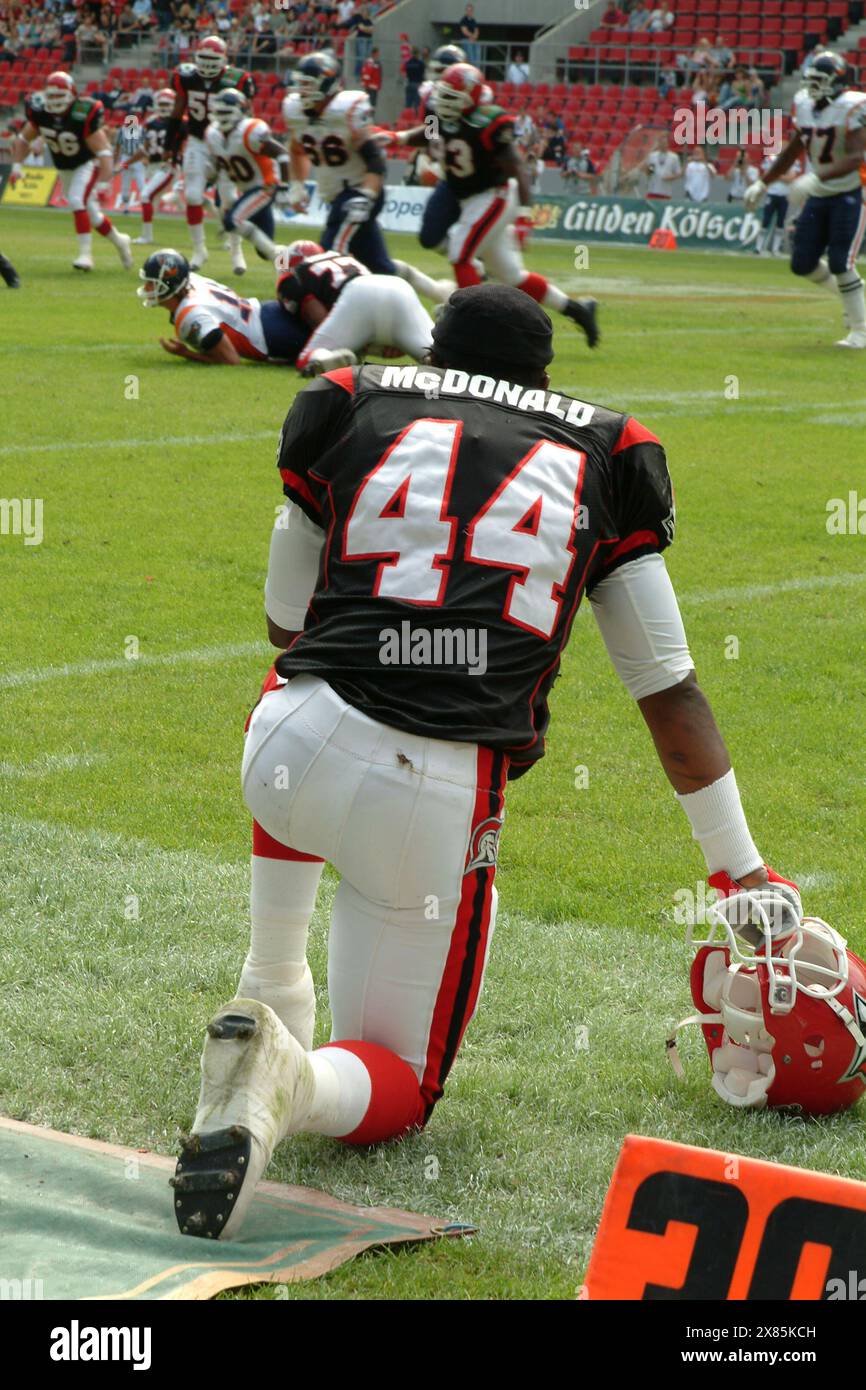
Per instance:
(856,339)
(143,240)
(327,360)
(257,1084)
(239,264)
(198,259)
(83,262)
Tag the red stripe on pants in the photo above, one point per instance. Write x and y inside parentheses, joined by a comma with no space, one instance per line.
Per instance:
(464,967)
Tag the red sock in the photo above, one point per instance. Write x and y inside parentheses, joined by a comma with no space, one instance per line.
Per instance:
(147,213)
(194,214)
(466,274)
(534,285)
(82,221)
(104,227)
(395,1105)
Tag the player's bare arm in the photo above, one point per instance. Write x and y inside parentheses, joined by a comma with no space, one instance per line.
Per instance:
(513,167)
(222,353)
(281,637)
(299,167)
(98,144)
(782,163)
(20,147)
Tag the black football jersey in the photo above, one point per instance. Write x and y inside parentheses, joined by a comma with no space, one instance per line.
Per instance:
(321,277)
(464,518)
(472,151)
(153,136)
(196,92)
(66,134)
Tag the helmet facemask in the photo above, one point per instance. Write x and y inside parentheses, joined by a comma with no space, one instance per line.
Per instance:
(59,96)
(211,57)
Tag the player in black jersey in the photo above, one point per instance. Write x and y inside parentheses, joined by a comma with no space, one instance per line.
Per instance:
(350,310)
(194,85)
(160,167)
(9,274)
(488,177)
(442,524)
(72,129)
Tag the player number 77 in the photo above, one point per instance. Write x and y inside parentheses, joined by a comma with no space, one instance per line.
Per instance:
(400,516)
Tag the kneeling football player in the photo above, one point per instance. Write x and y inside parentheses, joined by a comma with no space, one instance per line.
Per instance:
(441,525)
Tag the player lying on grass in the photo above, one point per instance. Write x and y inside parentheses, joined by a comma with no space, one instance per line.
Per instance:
(830,127)
(348,310)
(441,526)
(212,323)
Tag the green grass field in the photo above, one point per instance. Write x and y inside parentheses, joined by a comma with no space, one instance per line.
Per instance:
(124,835)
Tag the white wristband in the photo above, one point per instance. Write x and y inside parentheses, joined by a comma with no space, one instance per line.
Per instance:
(719,825)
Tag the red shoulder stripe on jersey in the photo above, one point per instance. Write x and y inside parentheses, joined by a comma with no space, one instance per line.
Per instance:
(637,538)
(300,486)
(633,432)
(343,376)
(92,114)
(487,132)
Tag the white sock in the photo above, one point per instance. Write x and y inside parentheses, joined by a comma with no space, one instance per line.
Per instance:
(343,1090)
(554,298)
(853,299)
(197,234)
(85,243)
(235,245)
(261,241)
(282,899)
(822,276)
(115,236)
(421,283)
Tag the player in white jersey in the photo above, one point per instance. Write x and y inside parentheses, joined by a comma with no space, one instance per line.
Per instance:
(212,323)
(777,205)
(252,171)
(830,128)
(350,310)
(331,135)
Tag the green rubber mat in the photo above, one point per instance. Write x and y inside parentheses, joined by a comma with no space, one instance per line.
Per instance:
(81,1219)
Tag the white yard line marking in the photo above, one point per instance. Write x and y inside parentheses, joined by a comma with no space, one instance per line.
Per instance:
(158,441)
(740,593)
(196,656)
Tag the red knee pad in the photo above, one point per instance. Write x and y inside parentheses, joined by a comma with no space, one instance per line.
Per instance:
(395,1105)
(146,213)
(466,274)
(194,214)
(105,226)
(81,220)
(535,286)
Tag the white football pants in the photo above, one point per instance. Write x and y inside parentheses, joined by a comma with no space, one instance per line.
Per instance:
(374,311)
(412,825)
(196,170)
(485,230)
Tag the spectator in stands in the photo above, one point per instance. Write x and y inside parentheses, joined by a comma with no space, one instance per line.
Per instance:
(668,78)
(697,179)
(660,20)
(107,23)
(580,169)
(721,55)
(554,150)
(164,10)
(371,77)
(91,43)
(143,11)
(414,75)
(699,60)
(613,17)
(142,99)
(68,31)
(470,35)
(345,10)
(662,167)
(518,69)
(264,45)
(8,46)
(639,18)
(524,130)
(362,27)
(127,28)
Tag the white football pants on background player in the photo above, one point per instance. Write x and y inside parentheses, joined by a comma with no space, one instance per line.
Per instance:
(374,309)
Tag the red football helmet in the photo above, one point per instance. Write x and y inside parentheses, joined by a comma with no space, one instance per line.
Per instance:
(164,102)
(782,1008)
(59,92)
(457,92)
(297,251)
(211,56)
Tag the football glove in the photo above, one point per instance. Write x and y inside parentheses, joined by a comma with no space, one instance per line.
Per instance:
(15,173)
(359,208)
(754,195)
(298,199)
(523,225)
(775,887)
(283,195)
